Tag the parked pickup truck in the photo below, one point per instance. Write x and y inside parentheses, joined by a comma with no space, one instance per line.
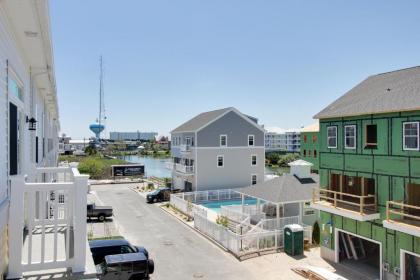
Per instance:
(99,212)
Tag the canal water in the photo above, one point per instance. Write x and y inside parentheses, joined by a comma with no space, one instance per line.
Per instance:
(157,167)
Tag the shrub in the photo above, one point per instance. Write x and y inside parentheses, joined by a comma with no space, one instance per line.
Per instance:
(222,220)
(93,167)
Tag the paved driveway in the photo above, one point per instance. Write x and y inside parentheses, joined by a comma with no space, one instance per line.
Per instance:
(180,253)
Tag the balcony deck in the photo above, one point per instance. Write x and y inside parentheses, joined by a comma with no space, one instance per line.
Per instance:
(398,219)
(361,211)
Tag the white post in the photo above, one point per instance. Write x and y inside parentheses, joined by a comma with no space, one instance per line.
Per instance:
(243,202)
(79,224)
(258,206)
(300,212)
(16,217)
(278,215)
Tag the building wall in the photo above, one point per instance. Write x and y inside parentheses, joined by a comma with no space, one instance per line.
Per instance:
(237,168)
(118,136)
(287,141)
(390,166)
(309,148)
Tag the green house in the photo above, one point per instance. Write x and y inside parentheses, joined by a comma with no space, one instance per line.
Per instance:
(369,167)
(309,145)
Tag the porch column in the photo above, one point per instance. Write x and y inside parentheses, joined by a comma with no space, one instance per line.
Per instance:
(243,202)
(258,206)
(278,215)
(16,217)
(79,223)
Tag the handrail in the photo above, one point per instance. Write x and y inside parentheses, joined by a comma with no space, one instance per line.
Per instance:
(317,193)
(400,211)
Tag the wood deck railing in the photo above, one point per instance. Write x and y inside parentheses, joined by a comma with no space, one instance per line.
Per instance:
(338,199)
(400,209)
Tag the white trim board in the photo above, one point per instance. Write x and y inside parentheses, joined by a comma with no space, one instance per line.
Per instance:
(402,261)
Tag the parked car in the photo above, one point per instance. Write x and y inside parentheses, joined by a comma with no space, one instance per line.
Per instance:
(162,194)
(100,212)
(104,247)
(133,266)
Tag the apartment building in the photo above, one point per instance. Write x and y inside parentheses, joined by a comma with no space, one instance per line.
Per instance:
(29,213)
(309,145)
(369,170)
(219,149)
(277,139)
(132,136)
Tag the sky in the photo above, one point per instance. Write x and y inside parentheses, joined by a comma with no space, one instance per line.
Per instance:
(166,61)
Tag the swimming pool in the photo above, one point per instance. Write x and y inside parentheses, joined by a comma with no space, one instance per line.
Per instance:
(215,205)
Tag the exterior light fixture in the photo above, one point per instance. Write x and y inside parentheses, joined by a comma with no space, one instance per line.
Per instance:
(32,123)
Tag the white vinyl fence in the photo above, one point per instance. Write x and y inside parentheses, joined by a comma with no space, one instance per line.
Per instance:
(187,207)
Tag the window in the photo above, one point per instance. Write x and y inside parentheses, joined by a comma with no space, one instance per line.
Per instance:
(304,153)
(315,154)
(350,136)
(371,136)
(220,161)
(411,135)
(15,89)
(253,160)
(254,179)
(332,137)
(314,138)
(223,140)
(305,138)
(250,140)
(61,198)
(309,153)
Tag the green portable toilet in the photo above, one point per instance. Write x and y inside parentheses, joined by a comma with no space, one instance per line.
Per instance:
(293,239)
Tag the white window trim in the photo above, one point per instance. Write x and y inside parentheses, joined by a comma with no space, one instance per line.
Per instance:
(253,140)
(220,140)
(328,137)
(223,161)
(418,137)
(256,179)
(256,160)
(355,137)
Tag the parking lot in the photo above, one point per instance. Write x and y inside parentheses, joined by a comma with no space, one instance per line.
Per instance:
(181,253)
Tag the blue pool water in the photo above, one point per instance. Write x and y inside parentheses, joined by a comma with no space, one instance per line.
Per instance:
(215,205)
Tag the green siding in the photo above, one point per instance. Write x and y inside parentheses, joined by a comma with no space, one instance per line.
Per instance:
(390,166)
(310,146)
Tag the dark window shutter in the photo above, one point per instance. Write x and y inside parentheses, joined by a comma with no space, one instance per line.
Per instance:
(13,139)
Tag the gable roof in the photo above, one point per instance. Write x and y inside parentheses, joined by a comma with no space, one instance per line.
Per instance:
(395,91)
(203,119)
(283,189)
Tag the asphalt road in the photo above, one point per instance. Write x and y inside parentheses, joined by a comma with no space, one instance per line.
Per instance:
(178,251)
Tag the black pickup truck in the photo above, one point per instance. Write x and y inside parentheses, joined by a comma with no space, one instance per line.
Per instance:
(99,212)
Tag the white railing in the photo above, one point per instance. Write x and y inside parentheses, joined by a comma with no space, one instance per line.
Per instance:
(184,168)
(185,148)
(272,224)
(233,214)
(213,195)
(186,207)
(47,227)
(169,165)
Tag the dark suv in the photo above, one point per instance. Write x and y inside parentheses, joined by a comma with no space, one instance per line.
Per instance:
(104,247)
(162,194)
(134,266)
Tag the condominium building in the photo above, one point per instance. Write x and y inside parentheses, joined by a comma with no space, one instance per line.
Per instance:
(277,139)
(132,136)
(369,197)
(42,224)
(309,145)
(217,150)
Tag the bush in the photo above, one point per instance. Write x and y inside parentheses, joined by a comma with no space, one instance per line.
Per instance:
(93,167)
(222,220)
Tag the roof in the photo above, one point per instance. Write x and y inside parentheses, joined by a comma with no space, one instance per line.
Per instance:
(107,243)
(284,189)
(311,128)
(205,118)
(395,91)
(300,162)
(131,257)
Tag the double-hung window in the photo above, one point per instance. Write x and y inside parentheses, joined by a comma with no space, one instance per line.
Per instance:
(253,179)
(223,140)
(332,137)
(411,136)
(350,136)
(251,139)
(220,161)
(254,160)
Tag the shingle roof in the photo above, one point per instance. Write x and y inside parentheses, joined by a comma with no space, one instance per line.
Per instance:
(200,120)
(395,91)
(283,189)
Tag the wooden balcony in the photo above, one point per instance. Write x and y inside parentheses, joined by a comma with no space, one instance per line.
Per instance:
(403,217)
(357,207)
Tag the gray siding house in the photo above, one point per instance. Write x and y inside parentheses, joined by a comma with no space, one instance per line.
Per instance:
(219,149)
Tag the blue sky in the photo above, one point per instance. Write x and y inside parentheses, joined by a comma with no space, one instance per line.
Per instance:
(166,61)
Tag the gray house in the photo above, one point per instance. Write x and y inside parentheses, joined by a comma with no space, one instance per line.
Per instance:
(219,149)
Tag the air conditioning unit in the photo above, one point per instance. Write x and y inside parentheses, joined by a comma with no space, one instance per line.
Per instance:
(385,266)
(397,271)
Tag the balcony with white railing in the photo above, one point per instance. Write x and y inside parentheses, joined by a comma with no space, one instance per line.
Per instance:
(47,228)
(357,207)
(403,217)
(185,148)
(185,169)
(169,165)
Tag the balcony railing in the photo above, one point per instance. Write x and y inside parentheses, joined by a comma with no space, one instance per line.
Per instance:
(363,204)
(185,148)
(169,165)
(184,168)
(398,211)
(48,221)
